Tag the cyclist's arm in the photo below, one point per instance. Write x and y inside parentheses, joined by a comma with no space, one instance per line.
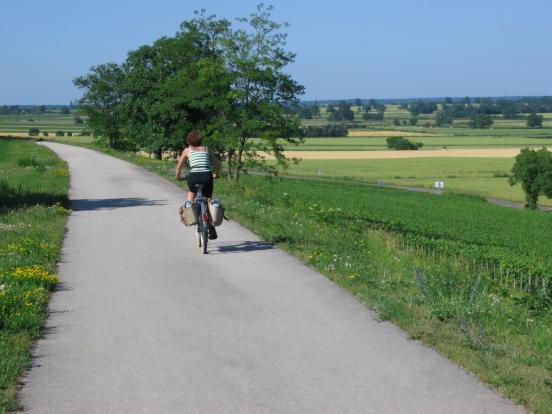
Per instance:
(181,162)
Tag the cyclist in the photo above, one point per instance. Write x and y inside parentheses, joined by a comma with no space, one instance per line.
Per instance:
(201,162)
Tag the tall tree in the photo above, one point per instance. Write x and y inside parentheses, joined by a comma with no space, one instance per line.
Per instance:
(533,169)
(101,102)
(255,58)
(534,120)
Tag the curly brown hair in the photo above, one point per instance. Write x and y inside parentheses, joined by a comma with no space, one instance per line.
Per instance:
(194,138)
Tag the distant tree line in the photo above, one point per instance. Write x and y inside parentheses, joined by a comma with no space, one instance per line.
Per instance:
(30,109)
(330,130)
(227,82)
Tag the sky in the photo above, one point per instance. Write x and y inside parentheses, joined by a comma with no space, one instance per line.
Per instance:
(345,49)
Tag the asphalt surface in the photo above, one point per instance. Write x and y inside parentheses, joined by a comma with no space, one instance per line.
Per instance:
(144,323)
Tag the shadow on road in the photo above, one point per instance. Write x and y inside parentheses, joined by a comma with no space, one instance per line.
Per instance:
(242,246)
(87,204)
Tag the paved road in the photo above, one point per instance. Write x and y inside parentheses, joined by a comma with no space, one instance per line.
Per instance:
(144,323)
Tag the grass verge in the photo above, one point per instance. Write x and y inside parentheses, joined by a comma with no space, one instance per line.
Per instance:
(33,213)
(500,333)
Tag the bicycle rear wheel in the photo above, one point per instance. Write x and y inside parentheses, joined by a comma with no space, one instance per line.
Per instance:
(198,234)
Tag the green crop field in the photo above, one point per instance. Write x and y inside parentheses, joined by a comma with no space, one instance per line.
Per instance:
(33,200)
(49,122)
(485,177)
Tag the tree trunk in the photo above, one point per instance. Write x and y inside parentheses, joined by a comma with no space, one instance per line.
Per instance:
(158,154)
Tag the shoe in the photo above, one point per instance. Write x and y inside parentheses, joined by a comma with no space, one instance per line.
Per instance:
(212,233)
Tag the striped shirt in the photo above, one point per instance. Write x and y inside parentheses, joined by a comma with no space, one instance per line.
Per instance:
(199,161)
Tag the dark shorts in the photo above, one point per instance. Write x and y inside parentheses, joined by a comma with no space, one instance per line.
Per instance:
(205,178)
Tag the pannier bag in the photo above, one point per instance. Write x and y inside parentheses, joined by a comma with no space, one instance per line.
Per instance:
(188,213)
(216,210)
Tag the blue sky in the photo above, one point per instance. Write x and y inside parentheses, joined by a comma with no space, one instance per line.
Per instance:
(345,49)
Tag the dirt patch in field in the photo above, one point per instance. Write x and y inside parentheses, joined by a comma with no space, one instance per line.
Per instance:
(375,133)
(375,155)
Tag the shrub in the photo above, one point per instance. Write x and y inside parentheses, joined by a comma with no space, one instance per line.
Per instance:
(401,143)
(60,133)
(78,121)
(33,132)
(69,134)
(45,133)
(84,133)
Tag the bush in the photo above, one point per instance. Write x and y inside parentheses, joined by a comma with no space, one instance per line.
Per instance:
(33,132)
(45,133)
(413,121)
(69,134)
(396,121)
(78,121)
(60,133)
(401,143)
(84,133)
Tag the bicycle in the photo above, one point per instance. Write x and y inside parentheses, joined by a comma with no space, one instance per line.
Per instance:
(202,219)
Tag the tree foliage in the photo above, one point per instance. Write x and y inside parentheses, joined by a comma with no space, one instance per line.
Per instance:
(535,120)
(226,81)
(480,121)
(533,169)
(401,143)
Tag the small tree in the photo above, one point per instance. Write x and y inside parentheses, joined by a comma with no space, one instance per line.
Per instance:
(534,120)
(442,118)
(413,121)
(533,169)
(78,120)
(33,132)
(480,121)
(396,121)
(60,133)
(65,110)
(45,133)
(69,134)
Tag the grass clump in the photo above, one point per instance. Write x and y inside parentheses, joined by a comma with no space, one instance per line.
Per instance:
(33,213)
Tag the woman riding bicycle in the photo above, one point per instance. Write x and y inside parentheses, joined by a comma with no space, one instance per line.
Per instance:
(201,161)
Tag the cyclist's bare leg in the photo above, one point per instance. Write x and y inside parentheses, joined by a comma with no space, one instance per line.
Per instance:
(191,196)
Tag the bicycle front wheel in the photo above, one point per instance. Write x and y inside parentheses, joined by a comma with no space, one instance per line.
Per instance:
(204,238)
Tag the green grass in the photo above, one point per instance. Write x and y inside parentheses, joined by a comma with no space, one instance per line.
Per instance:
(33,193)
(50,122)
(362,239)
(484,177)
